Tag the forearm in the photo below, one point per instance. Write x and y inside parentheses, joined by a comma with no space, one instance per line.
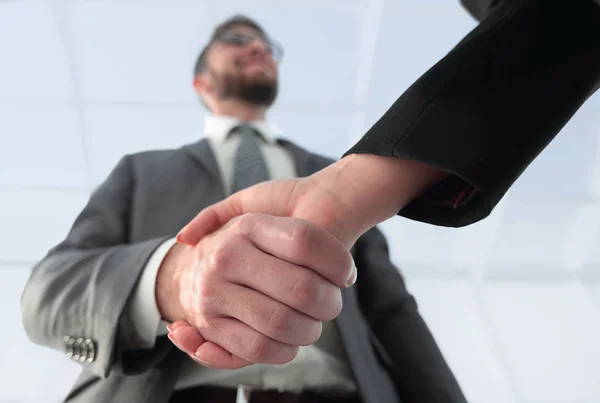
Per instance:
(82,293)
(166,286)
(374,188)
(487,109)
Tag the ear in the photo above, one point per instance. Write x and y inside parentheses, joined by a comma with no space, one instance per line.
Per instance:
(202,84)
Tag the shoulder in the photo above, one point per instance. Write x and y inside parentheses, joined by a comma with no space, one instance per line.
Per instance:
(161,156)
(153,155)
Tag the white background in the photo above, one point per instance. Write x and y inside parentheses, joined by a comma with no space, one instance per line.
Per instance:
(514,301)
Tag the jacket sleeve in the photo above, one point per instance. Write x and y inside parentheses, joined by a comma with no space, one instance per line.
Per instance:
(422,374)
(487,109)
(479,9)
(78,291)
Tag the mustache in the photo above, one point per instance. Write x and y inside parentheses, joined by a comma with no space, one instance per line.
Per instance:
(255,56)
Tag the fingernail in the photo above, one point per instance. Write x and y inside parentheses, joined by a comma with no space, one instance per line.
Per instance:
(179,239)
(205,363)
(172,338)
(170,328)
(353,276)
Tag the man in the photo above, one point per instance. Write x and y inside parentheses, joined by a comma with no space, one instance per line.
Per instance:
(264,294)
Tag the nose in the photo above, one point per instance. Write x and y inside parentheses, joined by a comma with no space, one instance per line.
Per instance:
(259,45)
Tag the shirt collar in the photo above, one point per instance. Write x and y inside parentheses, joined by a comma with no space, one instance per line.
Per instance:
(219,126)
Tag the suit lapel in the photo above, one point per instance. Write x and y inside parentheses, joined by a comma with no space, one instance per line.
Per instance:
(201,152)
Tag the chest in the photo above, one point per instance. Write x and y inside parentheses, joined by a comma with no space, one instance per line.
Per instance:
(172,187)
(168,194)
(278,161)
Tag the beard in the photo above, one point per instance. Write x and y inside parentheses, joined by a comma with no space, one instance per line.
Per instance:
(259,91)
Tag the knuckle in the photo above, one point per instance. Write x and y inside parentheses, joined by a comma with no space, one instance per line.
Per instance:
(281,320)
(202,321)
(288,354)
(220,258)
(261,349)
(306,291)
(313,333)
(205,290)
(342,260)
(201,302)
(334,304)
(300,238)
(346,261)
(244,224)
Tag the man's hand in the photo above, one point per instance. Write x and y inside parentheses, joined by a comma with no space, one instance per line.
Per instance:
(254,290)
(304,198)
(346,198)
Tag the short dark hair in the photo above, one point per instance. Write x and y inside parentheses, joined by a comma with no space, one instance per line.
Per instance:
(234,21)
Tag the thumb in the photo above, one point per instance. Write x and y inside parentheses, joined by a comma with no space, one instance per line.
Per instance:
(271,197)
(207,221)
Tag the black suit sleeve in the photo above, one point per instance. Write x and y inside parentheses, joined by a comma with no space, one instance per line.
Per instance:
(485,111)
(480,9)
(420,370)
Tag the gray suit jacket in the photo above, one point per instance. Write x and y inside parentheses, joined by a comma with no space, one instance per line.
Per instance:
(79,290)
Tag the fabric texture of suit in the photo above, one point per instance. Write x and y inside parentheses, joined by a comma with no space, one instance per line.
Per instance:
(80,288)
(487,109)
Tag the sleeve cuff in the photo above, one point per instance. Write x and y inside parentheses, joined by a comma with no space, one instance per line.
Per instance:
(142,311)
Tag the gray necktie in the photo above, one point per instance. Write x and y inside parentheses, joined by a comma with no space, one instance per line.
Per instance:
(249,166)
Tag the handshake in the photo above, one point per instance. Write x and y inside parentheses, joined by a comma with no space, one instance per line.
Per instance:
(252,278)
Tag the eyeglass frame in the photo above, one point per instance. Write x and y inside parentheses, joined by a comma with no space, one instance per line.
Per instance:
(275,48)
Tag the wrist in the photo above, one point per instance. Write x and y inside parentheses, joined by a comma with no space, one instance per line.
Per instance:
(356,191)
(167,285)
(373,188)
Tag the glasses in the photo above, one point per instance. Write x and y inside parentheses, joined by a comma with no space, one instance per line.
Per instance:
(241,40)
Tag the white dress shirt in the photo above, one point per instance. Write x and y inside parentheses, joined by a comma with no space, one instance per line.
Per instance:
(322,366)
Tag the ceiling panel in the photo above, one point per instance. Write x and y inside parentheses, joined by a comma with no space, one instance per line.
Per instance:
(452,311)
(422,250)
(324,130)
(591,270)
(581,250)
(413,36)
(138,52)
(533,240)
(569,166)
(114,131)
(34,64)
(28,372)
(44,147)
(33,221)
(594,289)
(549,335)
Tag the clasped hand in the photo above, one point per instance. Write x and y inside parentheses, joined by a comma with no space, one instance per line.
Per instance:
(251,287)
